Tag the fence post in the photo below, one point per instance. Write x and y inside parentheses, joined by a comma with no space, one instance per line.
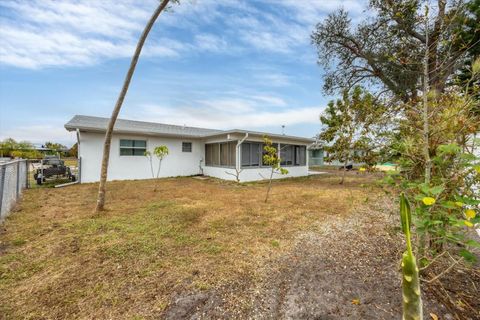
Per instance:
(27,166)
(3,168)
(18,179)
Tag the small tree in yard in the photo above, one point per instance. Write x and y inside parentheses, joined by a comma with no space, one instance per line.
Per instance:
(349,124)
(159,152)
(270,158)
(236,174)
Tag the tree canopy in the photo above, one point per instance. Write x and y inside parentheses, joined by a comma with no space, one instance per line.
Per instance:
(386,50)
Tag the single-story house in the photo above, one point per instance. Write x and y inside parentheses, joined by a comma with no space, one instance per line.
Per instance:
(317,156)
(192,151)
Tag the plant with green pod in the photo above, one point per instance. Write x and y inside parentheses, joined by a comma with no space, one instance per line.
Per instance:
(447,200)
(411,295)
(446,208)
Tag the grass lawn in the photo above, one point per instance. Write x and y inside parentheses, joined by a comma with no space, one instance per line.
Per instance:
(59,260)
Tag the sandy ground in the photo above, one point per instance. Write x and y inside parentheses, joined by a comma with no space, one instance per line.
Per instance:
(346,269)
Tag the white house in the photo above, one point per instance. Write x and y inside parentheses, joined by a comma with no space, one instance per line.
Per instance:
(192,151)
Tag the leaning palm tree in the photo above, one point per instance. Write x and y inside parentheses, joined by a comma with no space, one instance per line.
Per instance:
(108,135)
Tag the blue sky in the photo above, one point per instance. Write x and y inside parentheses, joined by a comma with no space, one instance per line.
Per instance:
(217,64)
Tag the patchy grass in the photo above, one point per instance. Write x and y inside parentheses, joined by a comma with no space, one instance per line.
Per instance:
(59,260)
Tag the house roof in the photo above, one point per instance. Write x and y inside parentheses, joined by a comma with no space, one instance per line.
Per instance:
(98,124)
(261,134)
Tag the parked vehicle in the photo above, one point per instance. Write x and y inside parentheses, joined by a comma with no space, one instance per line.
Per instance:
(52,167)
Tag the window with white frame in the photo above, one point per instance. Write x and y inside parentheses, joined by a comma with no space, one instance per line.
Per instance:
(132,147)
(292,155)
(186,147)
(220,154)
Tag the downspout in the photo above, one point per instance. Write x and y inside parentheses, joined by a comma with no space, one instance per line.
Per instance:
(238,156)
(79,159)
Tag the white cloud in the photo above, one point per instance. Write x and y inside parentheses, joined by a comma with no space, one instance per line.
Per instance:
(38,33)
(227,120)
(270,100)
(229,114)
(62,33)
(271,77)
(210,42)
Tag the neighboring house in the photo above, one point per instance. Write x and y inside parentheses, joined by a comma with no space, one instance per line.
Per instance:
(317,156)
(193,151)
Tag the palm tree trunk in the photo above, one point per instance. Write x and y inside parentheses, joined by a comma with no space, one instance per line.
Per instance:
(108,135)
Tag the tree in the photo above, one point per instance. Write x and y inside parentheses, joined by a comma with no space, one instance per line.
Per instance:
(159,152)
(18,149)
(55,147)
(116,110)
(387,49)
(349,125)
(470,33)
(236,174)
(270,158)
(442,202)
(73,151)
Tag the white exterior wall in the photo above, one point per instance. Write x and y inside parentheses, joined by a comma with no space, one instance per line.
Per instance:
(253,174)
(177,163)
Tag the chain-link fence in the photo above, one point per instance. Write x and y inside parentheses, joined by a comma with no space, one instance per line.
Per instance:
(13,179)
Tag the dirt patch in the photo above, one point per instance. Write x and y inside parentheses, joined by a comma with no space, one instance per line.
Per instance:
(348,268)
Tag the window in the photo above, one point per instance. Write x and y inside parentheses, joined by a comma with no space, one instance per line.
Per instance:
(291,155)
(132,147)
(227,154)
(220,154)
(186,147)
(251,153)
(286,154)
(300,159)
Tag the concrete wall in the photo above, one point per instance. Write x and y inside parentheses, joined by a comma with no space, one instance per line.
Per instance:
(253,174)
(177,163)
